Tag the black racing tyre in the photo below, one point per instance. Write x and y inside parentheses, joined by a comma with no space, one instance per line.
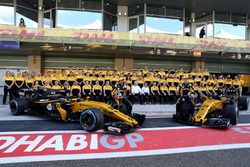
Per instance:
(243,103)
(121,107)
(18,106)
(91,119)
(230,112)
(128,104)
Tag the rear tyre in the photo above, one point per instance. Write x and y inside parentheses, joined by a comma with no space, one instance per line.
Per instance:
(121,107)
(243,103)
(230,112)
(91,119)
(18,106)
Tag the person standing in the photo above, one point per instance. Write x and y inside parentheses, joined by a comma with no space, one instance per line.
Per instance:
(202,32)
(8,85)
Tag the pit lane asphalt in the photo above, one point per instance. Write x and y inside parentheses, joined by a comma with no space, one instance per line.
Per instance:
(229,158)
(50,125)
(221,158)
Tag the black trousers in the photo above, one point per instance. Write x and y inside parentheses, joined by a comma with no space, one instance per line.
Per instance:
(137,98)
(6,92)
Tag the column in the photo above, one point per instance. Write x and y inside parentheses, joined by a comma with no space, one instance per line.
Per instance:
(122,18)
(119,62)
(35,63)
(199,64)
(40,13)
(248,30)
(193,25)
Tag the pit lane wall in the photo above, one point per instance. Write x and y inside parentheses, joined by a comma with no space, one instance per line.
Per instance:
(73,36)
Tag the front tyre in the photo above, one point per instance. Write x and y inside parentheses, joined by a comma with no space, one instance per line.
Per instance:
(230,112)
(243,103)
(91,119)
(18,106)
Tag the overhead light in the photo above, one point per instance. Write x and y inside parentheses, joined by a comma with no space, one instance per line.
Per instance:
(125,14)
(137,6)
(119,13)
(40,8)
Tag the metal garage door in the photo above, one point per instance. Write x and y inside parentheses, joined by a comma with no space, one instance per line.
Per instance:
(163,63)
(77,61)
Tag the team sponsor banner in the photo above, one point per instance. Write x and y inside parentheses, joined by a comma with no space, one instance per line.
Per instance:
(56,35)
(72,143)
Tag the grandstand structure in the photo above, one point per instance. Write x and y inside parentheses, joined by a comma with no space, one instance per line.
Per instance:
(57,34)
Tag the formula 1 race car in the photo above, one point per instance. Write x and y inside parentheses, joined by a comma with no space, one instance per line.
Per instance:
(217,112)
(92,115)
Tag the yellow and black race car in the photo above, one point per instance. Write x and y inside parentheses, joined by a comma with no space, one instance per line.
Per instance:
(218,111)
(92,115)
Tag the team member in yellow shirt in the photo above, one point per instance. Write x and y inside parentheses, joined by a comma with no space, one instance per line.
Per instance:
(114,79)
(155,93)
(228,82)
(210,90)
(162,72)
(29,82)
(210,81)
(206,74)
(107,91)
(54,78)
(56,86)
(38,77)
(86,89)
(173,93)
(71,78)
(220,81)
(237,84)
(36,85)
(170,80)
(197,80)
(9,82)
(101,79)
(79,78)
(19,83)
(165,93)
(97,91)
(88,78)
(62,78)
(75,90)
(202,90)
(47,84)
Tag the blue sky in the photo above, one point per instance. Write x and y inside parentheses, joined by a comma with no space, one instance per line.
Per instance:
(90,20)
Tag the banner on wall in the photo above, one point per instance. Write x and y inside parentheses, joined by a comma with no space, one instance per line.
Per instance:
(56,35)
